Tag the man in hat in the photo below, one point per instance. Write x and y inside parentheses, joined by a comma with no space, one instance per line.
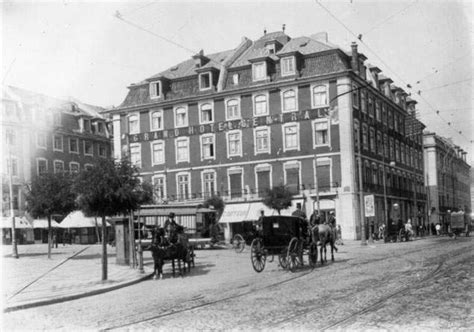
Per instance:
(170,228)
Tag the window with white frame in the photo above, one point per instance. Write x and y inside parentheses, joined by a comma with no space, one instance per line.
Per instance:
(73,145)
(260,105)
(156,120)
(402,153)
(378,112)
(319,95)
(292,176)
(372,139)
(205,81)
(102,150)
(289,100)
(392,148)
(208,183)
(12,166)
(355,96)
(155,90)
(133,124)
(206,113)
(73,167)
(288,66)
(58,166)
(323,172)
(396,122)
(182,149)
(136,155)
(235,178)
(181,117)
(379,143)
(41,166)
(58,143)
(234,143)
(259,71)
(291,135)
(356,134)
(263,178)
(365,136)
(41,140)
(183,181)
(159,188)
(88,148)
(262,140)
(158,152)
(363,101)
(207,146)
(232,109)
(320,132)
(397,151)
(88,167)
(385,146)
(235,79)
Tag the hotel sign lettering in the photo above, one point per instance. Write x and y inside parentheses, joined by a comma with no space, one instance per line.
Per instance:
(231,125)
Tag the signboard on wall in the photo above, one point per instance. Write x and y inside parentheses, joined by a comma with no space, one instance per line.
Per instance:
(369,205)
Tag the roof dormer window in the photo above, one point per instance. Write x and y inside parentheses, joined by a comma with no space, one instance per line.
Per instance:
(259,71)
(270,48)
(155,90)
(288,66)
(205,80)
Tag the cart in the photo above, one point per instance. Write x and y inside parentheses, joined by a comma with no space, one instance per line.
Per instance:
(285,237)
(458,225)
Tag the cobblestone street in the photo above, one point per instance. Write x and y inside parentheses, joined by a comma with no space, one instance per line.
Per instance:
(423,284)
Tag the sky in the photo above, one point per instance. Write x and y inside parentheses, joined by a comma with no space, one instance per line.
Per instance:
(81,49)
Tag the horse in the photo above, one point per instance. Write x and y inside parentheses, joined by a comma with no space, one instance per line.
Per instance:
(325,234)
(163,250)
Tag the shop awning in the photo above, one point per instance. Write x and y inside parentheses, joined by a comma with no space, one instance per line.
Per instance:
(234,213)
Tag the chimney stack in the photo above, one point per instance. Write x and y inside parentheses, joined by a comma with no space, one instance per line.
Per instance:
(355,58)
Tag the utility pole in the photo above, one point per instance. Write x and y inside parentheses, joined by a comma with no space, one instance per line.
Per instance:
(10,187)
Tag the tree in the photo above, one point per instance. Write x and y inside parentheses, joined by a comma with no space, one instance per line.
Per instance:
(216,203)
(278,198)
(108,188)
(50,194)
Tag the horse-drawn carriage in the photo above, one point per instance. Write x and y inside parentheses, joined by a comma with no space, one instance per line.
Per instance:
(285,237)
(458,224)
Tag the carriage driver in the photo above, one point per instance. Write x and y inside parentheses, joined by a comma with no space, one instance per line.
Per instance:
(170,228)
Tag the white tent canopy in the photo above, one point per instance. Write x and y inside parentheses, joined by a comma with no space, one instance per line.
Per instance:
(251,211)
(77,219)
(20,222)
(43,223)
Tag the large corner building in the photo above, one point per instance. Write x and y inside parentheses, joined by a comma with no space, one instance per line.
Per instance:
(278,110)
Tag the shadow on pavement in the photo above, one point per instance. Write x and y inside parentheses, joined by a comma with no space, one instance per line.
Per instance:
(92,256)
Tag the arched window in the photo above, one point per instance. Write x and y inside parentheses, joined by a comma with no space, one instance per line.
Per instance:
(320,97)
(232,109)
(260,105)
(289,100)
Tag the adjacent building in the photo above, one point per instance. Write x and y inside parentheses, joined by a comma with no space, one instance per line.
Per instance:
(277,110)
(45,134)
(447,178)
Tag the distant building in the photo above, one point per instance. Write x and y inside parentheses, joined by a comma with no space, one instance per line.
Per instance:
(277,110)
(45,134)
(447,178)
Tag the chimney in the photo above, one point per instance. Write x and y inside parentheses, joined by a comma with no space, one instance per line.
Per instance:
(355,58)
(199,59)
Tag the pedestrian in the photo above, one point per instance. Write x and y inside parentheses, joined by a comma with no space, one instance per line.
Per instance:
(438,229)
(315,218)
(339,235)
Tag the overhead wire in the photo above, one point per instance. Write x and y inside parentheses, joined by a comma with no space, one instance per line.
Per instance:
(446,85)
(385,64)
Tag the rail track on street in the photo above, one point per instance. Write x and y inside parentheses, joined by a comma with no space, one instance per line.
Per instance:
(191,304)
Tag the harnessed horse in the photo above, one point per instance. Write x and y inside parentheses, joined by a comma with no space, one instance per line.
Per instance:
(325,234)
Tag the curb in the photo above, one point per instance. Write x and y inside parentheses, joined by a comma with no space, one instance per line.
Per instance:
(75,296)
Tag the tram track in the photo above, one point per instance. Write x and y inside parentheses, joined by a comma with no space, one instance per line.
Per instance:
(191,305)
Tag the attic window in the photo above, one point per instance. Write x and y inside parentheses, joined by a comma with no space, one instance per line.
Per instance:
(155,90)
(303,44)
(271,48)
(174,68)
(205,80)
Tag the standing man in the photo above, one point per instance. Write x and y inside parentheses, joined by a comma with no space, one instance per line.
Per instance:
(170,228)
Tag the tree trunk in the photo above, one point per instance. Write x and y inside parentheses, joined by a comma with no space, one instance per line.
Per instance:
(49,236)
(97,230)
(104,249)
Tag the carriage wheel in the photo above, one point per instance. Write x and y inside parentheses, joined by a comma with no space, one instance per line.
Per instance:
(282,259)
(257,255)
(313,254)
(238,243)
(293,253)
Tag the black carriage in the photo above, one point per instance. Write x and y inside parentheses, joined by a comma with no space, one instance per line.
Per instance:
(285,237)
(458,224)
(245,232)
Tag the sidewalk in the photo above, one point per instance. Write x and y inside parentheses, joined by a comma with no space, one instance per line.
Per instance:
(74,271)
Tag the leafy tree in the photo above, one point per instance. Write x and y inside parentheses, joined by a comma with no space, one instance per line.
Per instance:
(107,189)
(216,203)
(278,198)
(50,194)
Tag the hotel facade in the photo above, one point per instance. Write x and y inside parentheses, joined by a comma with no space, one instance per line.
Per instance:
(278,110)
